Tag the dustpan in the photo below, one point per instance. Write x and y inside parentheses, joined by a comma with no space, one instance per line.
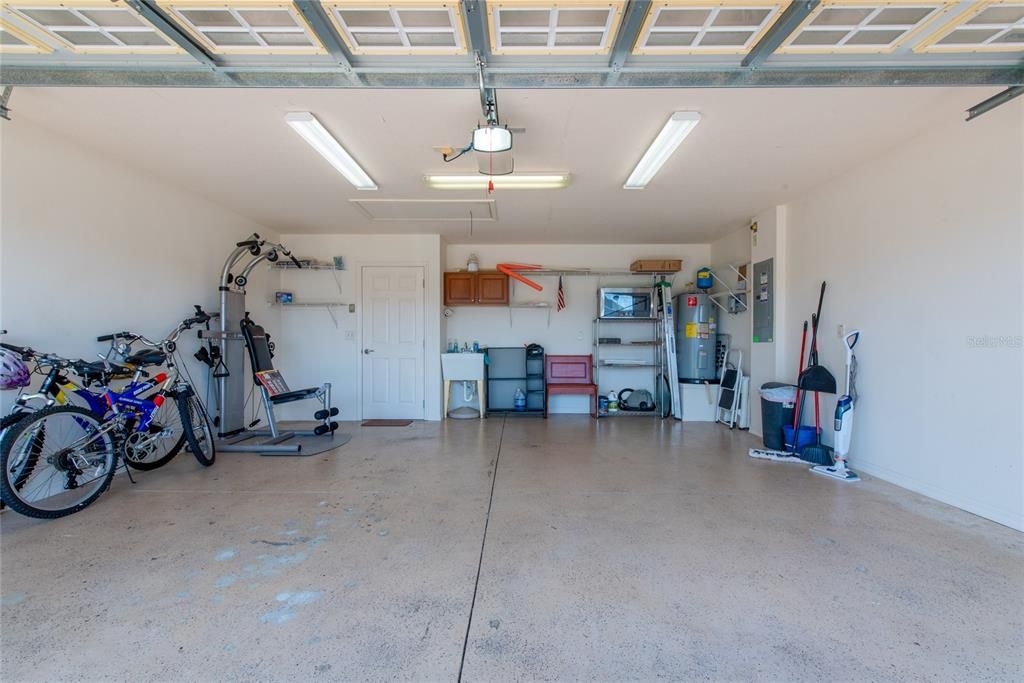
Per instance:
(817,378)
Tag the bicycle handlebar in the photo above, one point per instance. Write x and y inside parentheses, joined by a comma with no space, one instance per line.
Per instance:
(20,350)
(113,336)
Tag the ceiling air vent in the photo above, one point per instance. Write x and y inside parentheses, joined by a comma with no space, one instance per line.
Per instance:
(428,210)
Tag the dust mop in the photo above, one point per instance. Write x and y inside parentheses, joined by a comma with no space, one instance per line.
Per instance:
(777,456)
(844,419)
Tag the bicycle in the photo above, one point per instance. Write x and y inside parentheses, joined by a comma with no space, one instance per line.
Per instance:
(57,388)
(60,459)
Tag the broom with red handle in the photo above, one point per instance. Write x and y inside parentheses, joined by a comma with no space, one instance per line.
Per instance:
(803,347)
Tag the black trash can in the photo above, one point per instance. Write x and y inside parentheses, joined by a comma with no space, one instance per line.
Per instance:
(777,409)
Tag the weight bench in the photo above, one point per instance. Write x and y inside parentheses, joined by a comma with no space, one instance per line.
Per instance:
(274,392)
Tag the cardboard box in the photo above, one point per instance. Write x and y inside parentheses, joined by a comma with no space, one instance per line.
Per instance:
(656,265)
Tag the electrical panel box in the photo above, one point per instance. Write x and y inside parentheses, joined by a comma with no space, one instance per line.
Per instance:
(762,293)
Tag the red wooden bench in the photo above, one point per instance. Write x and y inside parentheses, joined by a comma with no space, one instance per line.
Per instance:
(570,375)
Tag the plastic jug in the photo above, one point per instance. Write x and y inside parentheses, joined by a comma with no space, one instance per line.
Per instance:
(519,400)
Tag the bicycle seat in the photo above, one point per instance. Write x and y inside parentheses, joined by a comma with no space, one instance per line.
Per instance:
(146,357)
(96,371)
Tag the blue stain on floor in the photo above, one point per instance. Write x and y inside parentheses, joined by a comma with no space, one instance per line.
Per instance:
(13,599)
(225,581)
(229,648)
(272,565)
(183,594)
(226,554)
(290,601)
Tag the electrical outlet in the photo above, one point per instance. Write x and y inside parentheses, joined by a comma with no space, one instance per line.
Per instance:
(579,336)
(841,330)
(350,335)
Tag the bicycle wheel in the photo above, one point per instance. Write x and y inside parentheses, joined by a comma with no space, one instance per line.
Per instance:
(55,462)
(198,433)
(158,445)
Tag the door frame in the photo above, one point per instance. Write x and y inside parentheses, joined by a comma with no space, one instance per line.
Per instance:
(361,267)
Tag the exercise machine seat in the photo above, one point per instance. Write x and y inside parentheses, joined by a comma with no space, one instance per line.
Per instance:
(261,360)
(296,395)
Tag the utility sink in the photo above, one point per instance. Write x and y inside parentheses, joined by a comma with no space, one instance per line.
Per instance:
(457,367)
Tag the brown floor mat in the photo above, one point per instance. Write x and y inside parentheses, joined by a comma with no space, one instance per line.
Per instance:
(386,423)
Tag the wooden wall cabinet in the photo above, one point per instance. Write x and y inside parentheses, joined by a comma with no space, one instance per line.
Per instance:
(483,288)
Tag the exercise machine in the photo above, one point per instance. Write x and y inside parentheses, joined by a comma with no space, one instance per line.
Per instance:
(237,335)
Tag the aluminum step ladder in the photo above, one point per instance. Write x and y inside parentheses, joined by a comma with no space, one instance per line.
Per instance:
(663,294)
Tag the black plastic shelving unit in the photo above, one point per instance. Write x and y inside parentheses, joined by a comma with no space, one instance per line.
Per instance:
(508,369)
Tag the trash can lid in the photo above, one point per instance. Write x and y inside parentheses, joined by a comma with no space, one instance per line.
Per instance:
(778,392)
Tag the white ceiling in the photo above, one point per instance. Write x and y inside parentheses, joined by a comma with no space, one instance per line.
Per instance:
(753,149)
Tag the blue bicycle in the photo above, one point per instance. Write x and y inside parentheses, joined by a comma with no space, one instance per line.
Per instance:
(93,378)
(58,460)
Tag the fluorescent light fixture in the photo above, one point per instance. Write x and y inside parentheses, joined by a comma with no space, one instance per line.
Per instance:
(515,181)
(678,126)
(313,132)
(492,139)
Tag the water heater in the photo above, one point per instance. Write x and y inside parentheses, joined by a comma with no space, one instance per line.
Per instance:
(696,334)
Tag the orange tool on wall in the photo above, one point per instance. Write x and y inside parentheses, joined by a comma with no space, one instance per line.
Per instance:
(512,270)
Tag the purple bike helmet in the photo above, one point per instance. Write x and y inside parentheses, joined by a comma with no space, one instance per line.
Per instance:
(14,373)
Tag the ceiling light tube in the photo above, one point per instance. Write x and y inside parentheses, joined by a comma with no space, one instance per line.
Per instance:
(515,181)
(313,132)
(678,126)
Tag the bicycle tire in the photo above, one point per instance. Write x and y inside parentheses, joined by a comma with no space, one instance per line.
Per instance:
(10,494)
(149,465)
(9,421)
(193,415)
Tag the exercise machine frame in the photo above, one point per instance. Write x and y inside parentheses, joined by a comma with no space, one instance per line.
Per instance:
(229,370)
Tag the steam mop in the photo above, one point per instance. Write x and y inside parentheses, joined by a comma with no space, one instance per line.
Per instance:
(844,419)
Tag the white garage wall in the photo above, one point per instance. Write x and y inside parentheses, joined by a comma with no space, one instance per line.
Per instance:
(89,246)
(311,349)
(571,330)
(922,250)
(733,250)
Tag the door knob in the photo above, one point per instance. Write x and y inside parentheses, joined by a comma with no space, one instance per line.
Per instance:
(367,351)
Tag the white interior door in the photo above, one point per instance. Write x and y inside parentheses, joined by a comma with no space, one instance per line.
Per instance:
(392,348)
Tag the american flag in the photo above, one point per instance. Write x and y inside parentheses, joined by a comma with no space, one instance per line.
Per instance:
(561,295)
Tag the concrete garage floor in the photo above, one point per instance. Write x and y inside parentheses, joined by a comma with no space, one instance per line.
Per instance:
(626,549)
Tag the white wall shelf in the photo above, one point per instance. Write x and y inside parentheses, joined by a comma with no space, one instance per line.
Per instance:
(312,265)
(735,296)
(326,305)
(539,305)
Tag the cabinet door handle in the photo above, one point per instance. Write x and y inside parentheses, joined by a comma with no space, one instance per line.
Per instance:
(367,352)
